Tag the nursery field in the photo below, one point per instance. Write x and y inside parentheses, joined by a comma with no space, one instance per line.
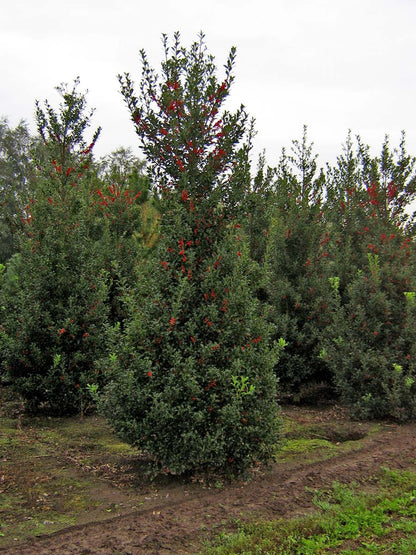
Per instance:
(69,486)
(173,300)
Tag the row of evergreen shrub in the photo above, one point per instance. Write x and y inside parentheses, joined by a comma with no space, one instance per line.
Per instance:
(187,300)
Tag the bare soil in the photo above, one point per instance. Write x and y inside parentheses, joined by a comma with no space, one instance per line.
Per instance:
(178,515)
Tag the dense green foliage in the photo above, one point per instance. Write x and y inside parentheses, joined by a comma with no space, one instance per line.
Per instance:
(339,276)
(295,265)
(54,292)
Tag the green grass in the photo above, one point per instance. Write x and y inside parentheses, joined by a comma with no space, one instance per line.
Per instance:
(348,519)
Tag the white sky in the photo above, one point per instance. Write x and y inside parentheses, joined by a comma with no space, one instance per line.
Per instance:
(333,65)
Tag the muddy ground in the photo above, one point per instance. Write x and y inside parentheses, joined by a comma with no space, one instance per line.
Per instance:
(178,515)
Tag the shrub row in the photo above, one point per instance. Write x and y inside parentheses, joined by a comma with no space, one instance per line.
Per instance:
(185,307)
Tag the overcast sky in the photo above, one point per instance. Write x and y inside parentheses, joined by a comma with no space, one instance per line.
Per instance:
(333,65)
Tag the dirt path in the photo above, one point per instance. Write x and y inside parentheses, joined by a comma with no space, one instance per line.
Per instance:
(176,520)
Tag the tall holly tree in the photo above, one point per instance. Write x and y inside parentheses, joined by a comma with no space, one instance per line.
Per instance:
(370,343)
(193,382)
(295,269)
(54,295)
